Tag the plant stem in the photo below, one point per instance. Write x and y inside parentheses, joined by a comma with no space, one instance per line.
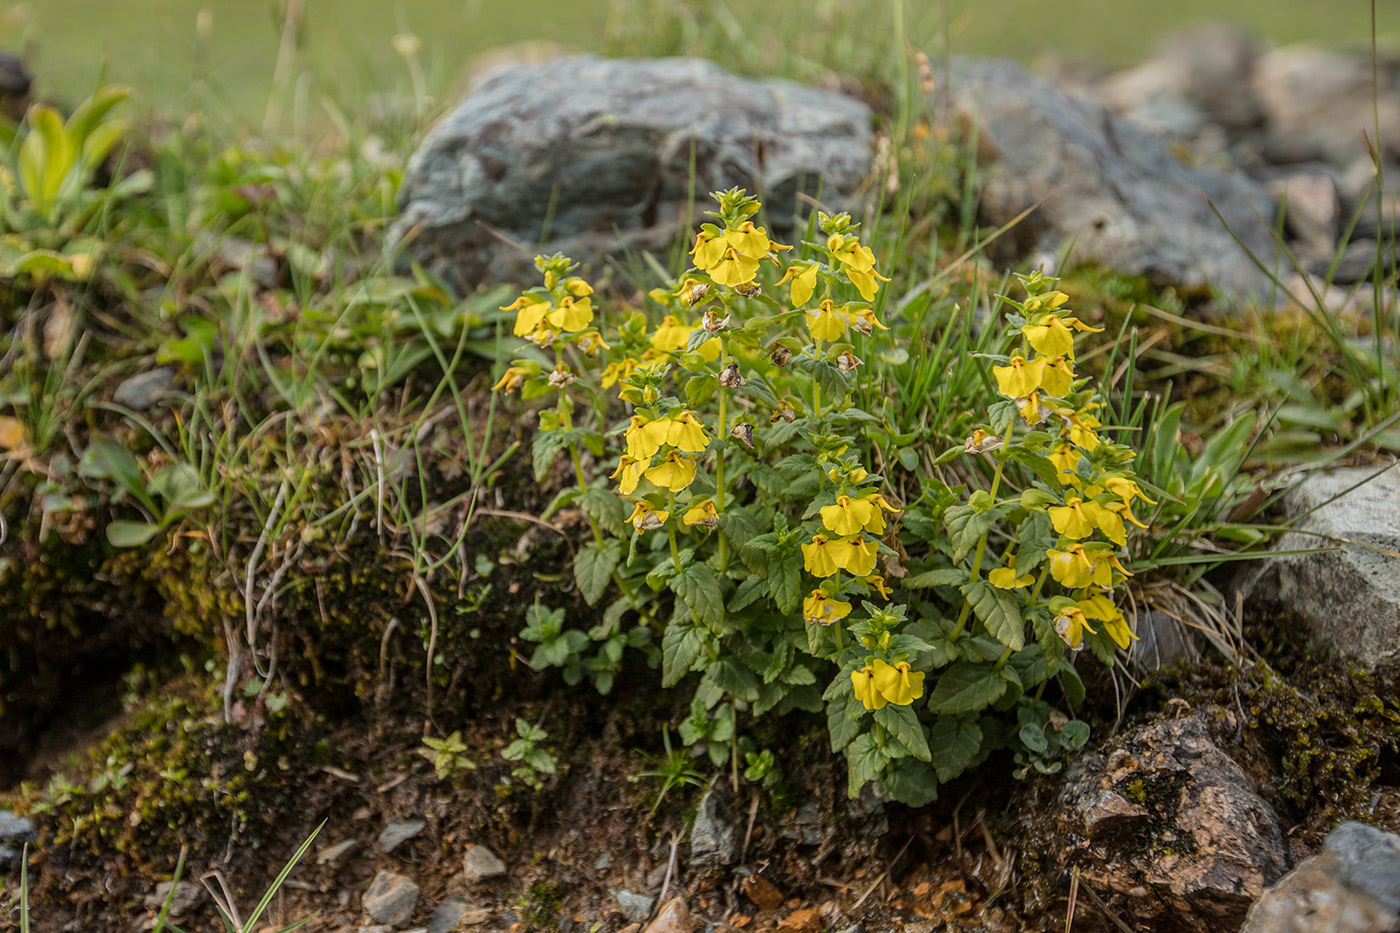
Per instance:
(982,541)
(671,532)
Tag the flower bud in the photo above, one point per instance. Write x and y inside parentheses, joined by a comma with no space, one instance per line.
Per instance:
(730,378)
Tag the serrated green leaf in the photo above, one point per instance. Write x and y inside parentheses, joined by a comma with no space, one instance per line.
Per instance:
(911,782)
(999,612)
(956,742)
(864,762)
(699,389)
(606,508)
(544,449)
(736,679)
(593,568)
(749,592)
(943,576)
(966,526)
(1045,471)
(682,646)
(903,723)
(966,687)
(785,580)
(699,589)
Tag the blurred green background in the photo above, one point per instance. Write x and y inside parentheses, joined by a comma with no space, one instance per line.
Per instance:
(221,57)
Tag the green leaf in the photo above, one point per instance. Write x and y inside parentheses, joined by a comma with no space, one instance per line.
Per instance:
(699,589)
(544,449)
(966,688)
(903,723)
(130,534)
(1045,471)
(736,679)
(829,378)
(785,580)
(681,647)
(699,389)
(956,741)
(843,717)
(749,592)
(999,612)
(605,508)
(911,782)
(117,463)
(864,762)
(943,576)
(966,526)
(1072,684)
(593,568)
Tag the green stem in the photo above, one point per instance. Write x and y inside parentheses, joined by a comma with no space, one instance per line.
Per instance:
(1001,661)
(719,453)
(671,531)
(982,541)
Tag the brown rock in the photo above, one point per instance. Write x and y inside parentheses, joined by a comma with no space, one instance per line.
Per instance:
(1171,828)
(674,917)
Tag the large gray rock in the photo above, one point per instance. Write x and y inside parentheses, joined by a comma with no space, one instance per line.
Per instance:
(1318,103)
(1348,597)
(1351,886)
(1169,828)
(1113,191)
(594,156)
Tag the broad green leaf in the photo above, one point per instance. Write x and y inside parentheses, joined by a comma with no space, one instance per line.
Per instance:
(593,568)
(999,612)
(1072,684)
(785,580)
(131,534)
(681,647)
(1045,471)
(699,589)
(605,508)
(544,449)
(903,723)
(911,782)
(750,591)
(736,679)
(943,576)
(118,464)
(956,740)
(966,526)
(864,762)
(699,389)
(966,688)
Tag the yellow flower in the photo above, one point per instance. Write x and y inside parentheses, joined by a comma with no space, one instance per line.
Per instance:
(645,518)
(1076,567)
(685,433)
(708,249)
(671,335)
(1029,407)
(629,472)
(1004,578)
(865,282)
(1078,518)
(827,322)
(864,320)
(577,287)
(804,282)
(615,372)
(674,473)
(734,268)
(514,378)
(591,342)
(898,684)
(572,314)
(821,609)
(1066,459)
(644,438)
(817,557)
(1049,301)
(864,682)
(710,350)
(705,514)
(1058,378)
(1050,334)
(1019,377)
(850,516)
(1081,430)
(855,555)
(878,582)
(858,262)
(1126,490)
(752,242)
(530,311)
(1102,608)
(1071,625)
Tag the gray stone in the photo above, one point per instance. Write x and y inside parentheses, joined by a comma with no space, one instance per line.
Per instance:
(1312,210)
(1318,103)
(391,898)
(480,863)
(15,831)
(1356,263)
(143,390)
(1163,641)
(1113,192)
(1170,826)
(594,155)
(397,832)
(1351,886)
(186,895)
(338,855)
(635,907)
(377,928)
(1347,597)
(714,839)
(448,915)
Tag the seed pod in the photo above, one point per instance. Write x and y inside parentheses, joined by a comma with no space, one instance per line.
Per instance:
(780,354)
(743,431)
(730,378)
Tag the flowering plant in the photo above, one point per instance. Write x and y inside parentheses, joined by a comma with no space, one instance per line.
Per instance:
(741,485)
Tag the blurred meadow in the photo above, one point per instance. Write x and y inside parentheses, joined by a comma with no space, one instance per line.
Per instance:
(225,58)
